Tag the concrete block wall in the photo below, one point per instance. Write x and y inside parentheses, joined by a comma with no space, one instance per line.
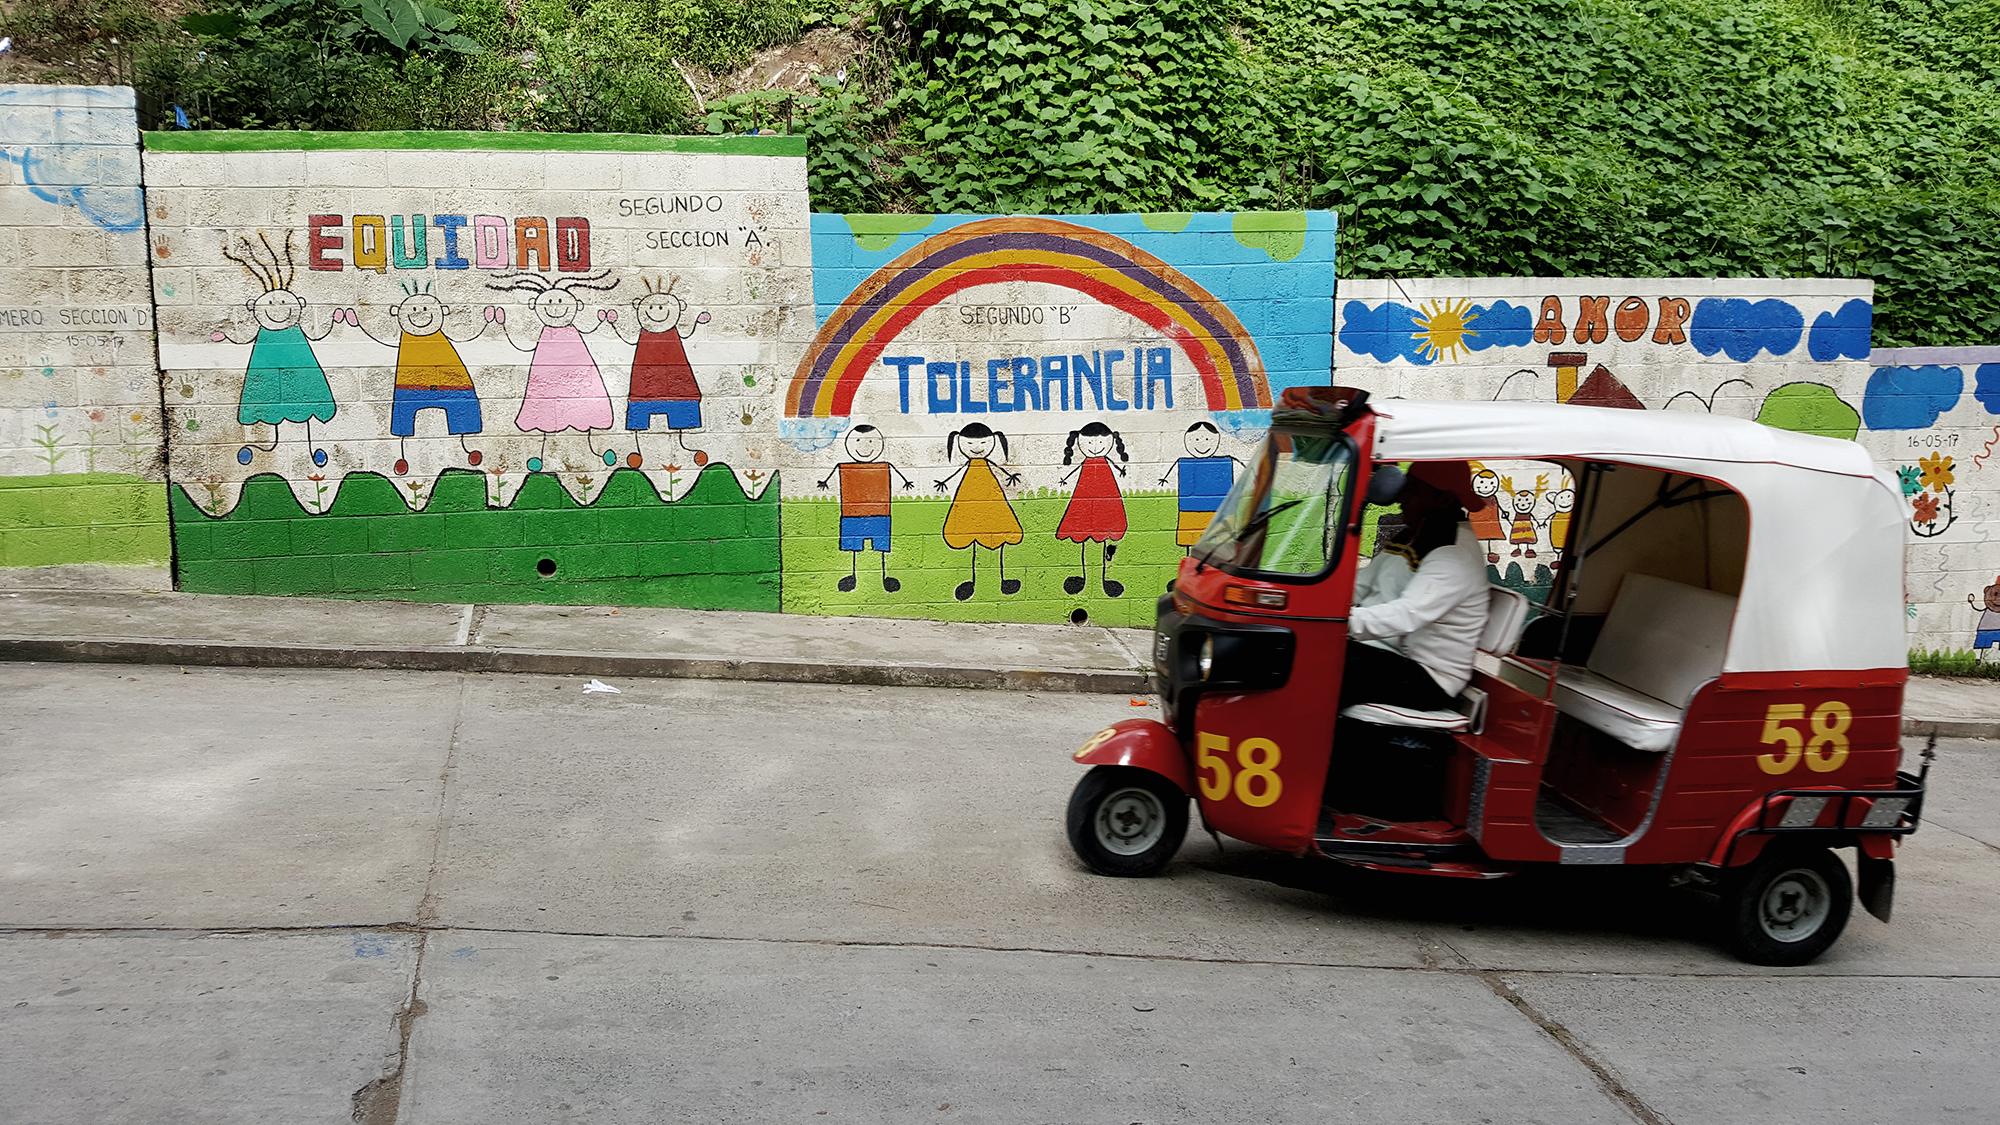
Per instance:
(439,366)
(81,501)
(483,367)
(1790,353)
(1933,415)
(1029,418)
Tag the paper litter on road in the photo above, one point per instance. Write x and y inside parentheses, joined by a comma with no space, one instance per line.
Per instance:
(595,686)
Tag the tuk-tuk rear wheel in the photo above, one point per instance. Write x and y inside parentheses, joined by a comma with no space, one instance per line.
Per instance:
(1787,906)
(1126,821)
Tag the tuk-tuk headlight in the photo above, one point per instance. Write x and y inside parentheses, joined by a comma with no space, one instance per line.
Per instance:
(1205,661)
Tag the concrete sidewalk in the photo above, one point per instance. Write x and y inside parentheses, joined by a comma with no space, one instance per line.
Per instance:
(606,642)
(566,640)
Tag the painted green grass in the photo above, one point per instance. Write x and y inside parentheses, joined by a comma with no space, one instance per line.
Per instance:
(62,518)
(1953,662)
(712,549)
(929,570)
(1147,559)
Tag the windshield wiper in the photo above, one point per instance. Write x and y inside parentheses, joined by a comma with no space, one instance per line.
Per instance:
(1264,517)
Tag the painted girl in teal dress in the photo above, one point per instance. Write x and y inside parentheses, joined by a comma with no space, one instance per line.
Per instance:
(284,381)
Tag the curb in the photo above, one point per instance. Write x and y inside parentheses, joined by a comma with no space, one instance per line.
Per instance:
(1952,728)
(454,658)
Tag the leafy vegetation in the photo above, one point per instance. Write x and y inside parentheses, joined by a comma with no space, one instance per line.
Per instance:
(1608,137)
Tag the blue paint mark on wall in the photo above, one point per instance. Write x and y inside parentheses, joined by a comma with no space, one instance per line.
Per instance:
(1986,386)
(369,946)
(79,151)
(114,208)
(1381,333)
(1437,330)
(1910,398)
(1843,333)
(1740,329)
(1502,326)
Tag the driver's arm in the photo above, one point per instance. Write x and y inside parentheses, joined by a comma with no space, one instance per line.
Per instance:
(1442,581)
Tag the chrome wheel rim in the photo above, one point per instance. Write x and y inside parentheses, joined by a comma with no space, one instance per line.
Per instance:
(1794,905)
(1130,821)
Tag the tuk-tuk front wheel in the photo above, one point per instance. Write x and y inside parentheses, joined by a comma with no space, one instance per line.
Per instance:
(1787,906)
(1126,821)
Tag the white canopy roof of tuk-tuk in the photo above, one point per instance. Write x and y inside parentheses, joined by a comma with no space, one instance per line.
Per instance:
(1823,584)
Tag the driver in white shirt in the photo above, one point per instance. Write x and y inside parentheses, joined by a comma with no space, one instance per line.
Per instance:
(1420,603)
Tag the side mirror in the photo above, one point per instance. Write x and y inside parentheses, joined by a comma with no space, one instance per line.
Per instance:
(1385,484)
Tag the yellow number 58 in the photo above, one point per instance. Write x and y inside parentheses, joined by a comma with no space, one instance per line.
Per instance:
(1256,777)
(1824,750)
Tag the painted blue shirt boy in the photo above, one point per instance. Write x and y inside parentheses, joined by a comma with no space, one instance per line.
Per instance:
(1205,476)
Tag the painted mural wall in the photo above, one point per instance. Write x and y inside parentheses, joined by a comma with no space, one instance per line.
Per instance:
(1933,414)
(478,367)
(1031,418)
(80,495)
(1789,353)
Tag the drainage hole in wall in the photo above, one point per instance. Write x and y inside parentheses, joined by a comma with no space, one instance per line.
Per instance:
(1079,617)
(546,567)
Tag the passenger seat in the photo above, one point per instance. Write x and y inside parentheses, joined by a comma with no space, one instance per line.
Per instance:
(1661,642)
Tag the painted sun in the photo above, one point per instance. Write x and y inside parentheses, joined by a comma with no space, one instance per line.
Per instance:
(1443,328)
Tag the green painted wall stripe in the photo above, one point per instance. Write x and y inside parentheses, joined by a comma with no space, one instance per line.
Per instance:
(266,140)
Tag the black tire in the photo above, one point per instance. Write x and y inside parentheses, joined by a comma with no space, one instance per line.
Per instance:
(1126,821)
(1787,906)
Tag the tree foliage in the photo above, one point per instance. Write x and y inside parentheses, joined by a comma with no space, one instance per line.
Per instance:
(1505,137)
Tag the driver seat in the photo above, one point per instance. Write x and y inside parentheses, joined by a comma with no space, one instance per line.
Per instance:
(1506,618)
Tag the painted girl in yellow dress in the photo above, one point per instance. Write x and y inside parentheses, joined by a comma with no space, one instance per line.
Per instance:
(980,514)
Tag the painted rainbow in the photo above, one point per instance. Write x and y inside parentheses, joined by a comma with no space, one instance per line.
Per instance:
(1100,266)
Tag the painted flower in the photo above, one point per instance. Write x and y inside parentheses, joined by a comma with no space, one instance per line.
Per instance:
(1926,507)
(1911,479)
(315,477)
(1937,472)
(671,468)
(95,415)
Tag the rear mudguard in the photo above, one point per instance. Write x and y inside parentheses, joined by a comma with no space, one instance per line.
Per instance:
(1875,856)
(1878,885)
(1740,842)
(1147,744)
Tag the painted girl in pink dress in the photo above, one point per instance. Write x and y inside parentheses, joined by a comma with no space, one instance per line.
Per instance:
(565,390)
(1096,512)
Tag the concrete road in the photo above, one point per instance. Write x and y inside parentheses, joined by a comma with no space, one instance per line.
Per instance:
(243,896)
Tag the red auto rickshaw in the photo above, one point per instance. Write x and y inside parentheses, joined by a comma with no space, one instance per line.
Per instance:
(1712,685)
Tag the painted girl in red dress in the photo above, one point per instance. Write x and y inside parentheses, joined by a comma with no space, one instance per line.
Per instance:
(1096,512)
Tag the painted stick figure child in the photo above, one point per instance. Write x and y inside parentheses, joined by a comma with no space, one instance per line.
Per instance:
(1523,534)
(1096,511)
(429,373)
(1986,634)
(1561,501)
(662,379)
(1486,523)
(565,389)
(283,381)
(1204,479)
(864,502)
(980,514)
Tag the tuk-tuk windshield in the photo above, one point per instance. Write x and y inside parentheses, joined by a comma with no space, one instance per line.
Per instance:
(1283,515)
